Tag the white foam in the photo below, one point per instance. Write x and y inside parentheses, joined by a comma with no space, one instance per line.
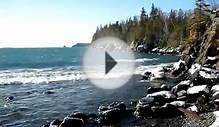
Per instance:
(150,68)
(140,60)
(37,76)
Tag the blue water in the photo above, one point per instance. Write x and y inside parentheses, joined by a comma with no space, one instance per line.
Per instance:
(28,73)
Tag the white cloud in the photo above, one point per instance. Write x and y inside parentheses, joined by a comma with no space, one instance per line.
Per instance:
(24,32)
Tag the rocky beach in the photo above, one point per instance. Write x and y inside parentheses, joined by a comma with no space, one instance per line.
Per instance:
(184,94)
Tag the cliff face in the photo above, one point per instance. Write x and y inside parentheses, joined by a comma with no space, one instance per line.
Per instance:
(204,48)
(210,42)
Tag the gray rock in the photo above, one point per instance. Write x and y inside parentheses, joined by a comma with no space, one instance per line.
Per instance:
(166,111)
(183,85)
(72,122)
(55,123)
(143,111)
(110,117)
(79,115)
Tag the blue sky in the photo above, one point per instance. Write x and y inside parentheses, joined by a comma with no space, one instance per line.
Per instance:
(48,23)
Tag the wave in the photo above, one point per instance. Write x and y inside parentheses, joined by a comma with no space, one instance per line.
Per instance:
(70,73)
(151,68)
(139,60)
(38,76)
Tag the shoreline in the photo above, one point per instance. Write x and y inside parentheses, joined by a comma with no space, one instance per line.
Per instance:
(153,109)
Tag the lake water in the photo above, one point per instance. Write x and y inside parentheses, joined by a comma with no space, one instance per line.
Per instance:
(28,74)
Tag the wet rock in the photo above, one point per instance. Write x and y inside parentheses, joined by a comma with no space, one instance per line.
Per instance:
(166,111)
(215,95)
(210,75)
(198,89)
(145,101)
(45,126)
(111,114)
(165,94)
(110,117)
(10,98)
(178,103)
(146,76)
(102,108)
(133,103)
(161,100)
(92,116)
(182,98)
(178,68)
(49,92)
(55,123)
(79,115)
(193,108)
(215,88)
(181,93)
(72,122)
(195,92)
(152,90)
(193,71)
(200,103)
(165,87)
(158,74)
(198,80)
(113,105)
(189,59)
(92,120)
(183,85)
(143,111)
(121,106)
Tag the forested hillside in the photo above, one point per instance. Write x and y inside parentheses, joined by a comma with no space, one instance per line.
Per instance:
(150,28)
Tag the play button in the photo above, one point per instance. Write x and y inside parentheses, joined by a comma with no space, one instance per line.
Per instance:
(108,63)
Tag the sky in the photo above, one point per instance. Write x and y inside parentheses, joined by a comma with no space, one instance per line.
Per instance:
(54,23)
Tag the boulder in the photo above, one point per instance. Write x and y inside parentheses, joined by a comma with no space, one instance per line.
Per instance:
(79,115)
(45,126)
(183,85)
(55,123)
(72,122)
(120,106)
(143,111)
(102,108)
(178,103)
(145,101)
(166,111)
(198,80)
(178,68)
(156,100)
(157,74)
(146,75)
(182,98)
(198,89)
(193,108)
(111,114)
(210,75)
(215,95)
(189,59)
(181,93)
(200,103)
(165,94)
(194,68)
(10,98)
(152,90)
(110,117)
(215,88)
(49,92)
